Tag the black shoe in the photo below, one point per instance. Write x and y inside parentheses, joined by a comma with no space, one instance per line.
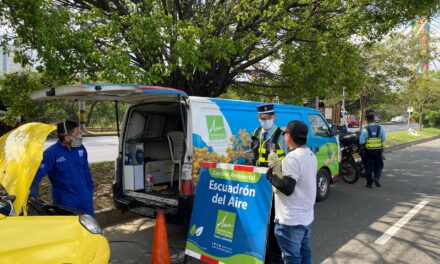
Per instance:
(368,186)
(377,183)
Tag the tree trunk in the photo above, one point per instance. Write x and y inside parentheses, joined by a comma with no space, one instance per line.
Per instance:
(89,115)
(420,117)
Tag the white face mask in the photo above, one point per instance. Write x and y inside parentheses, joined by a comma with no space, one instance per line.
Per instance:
(77,142)
(266,124)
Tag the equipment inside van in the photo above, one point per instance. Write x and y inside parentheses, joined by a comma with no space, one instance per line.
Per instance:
(166,134)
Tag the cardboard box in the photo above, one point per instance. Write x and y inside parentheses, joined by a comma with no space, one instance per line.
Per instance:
(133,177)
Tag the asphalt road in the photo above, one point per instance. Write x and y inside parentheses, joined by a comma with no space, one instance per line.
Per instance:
(102,148)
(391,127)
(349,222)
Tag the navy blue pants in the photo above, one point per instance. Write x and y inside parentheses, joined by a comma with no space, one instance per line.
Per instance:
(373,165)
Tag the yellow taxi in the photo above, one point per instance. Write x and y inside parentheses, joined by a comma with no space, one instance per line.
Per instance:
(47,237)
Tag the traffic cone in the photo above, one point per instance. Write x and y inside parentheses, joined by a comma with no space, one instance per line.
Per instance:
(160,254)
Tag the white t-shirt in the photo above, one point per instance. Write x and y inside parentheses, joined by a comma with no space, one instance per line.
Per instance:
(297,209)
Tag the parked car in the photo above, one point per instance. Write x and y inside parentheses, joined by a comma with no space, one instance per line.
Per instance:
(399,119)
(38,232)
(352,121)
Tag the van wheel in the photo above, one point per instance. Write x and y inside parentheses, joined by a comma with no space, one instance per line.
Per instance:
(323,181)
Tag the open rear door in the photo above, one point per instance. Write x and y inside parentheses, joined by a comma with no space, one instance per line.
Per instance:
(127,93)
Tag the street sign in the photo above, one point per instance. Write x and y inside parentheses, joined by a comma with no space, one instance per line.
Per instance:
(230,216)
(410,109)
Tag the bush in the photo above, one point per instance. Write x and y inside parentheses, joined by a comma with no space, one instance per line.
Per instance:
(432,118)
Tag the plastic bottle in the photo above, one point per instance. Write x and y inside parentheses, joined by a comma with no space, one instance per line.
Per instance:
(127,159)
(140,156)
(149,180)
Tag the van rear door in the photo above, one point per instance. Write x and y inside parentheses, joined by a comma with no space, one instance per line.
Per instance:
(126,93)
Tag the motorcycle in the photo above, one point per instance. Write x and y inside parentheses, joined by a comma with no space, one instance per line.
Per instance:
(351,165)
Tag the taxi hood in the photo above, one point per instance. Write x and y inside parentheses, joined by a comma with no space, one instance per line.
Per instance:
(21,152)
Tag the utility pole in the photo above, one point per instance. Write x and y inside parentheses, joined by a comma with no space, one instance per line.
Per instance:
(82,108)
(344,113)
(343,99)
(410,110)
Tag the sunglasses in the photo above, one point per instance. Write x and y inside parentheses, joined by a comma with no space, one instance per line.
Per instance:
(284,132)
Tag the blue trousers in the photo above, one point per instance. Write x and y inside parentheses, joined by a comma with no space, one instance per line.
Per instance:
(373,165)
(294,242)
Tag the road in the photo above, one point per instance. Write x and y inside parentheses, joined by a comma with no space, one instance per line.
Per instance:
(103,148)
(391,127)
(349,222)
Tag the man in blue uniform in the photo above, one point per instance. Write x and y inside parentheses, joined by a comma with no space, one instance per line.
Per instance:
(65,162)
(266,138)
(373,137)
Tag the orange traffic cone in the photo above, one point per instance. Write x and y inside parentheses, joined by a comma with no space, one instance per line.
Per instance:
(160,254)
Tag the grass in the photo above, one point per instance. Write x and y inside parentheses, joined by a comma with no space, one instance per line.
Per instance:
(400,137)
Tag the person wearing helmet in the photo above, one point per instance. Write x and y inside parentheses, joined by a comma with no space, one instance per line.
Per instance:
(67,167)
(296,195)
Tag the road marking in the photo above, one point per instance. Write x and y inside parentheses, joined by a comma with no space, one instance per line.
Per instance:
(399,224)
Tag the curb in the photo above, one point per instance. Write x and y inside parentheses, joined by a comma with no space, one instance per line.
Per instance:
(107,218)
(409,144)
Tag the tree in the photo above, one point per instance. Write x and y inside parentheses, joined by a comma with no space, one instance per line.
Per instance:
(425,94)
(15,90)
(202,47)
(15,94)
(384,69)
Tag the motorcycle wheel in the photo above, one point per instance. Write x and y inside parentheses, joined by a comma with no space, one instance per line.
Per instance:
(350,171)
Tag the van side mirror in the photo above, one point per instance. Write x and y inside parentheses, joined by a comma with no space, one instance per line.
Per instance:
(334,130)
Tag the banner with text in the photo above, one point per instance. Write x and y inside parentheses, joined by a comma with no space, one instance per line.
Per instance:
(230,215)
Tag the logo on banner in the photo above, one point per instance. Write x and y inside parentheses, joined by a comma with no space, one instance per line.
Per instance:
(225,224)
(216,127)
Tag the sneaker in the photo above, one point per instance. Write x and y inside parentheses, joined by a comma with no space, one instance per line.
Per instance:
(377,183)
(368,186)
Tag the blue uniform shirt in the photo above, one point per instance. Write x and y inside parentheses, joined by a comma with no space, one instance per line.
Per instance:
(69,174)
(373,127)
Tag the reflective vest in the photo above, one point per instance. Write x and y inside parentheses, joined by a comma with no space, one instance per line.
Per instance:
(374,139)
(263,147)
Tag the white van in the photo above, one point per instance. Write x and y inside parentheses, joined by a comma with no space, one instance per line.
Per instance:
(165,135)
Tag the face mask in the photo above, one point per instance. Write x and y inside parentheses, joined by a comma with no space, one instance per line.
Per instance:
(266,124)
(77,141)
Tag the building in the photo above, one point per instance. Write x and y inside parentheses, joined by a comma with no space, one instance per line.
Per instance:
(7,64)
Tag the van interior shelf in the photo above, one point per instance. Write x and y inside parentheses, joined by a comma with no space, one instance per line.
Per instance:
(143,137)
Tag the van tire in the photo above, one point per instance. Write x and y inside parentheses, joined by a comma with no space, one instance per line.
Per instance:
(323,185)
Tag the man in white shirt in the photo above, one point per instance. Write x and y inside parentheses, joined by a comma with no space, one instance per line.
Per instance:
(295,198)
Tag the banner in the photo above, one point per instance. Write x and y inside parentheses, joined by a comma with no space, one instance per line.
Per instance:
(230,216)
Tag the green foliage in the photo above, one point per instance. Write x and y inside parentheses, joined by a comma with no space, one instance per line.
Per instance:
(15,91)
(432,118)
(204,47)
(424,93)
